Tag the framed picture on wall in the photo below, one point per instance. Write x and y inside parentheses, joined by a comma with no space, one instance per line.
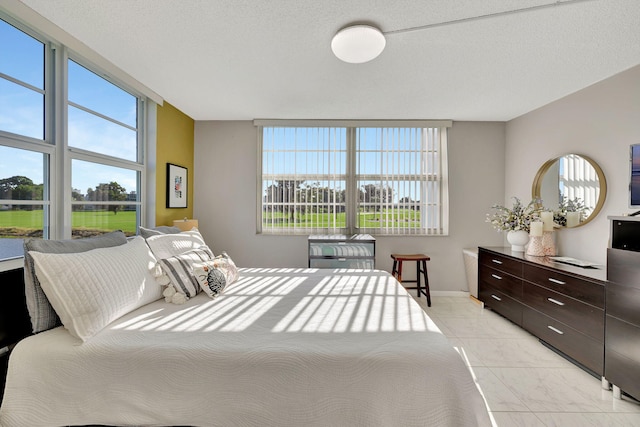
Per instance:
(176,186)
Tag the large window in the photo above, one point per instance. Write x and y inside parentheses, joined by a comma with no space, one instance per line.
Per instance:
(103,139)
(71,159)
(353,179)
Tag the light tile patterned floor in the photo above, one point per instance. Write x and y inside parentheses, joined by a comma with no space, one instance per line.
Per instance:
(523,382)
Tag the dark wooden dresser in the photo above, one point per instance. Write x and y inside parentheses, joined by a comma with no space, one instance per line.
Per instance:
(622,356)
(563,305)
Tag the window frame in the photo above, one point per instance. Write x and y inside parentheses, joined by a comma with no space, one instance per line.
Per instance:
(352,177)
(57,221)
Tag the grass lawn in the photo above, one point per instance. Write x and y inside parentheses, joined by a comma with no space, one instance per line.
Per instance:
(399,218)
(20,224)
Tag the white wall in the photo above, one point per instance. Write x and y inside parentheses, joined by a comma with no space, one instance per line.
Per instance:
(600,121)
(225,201)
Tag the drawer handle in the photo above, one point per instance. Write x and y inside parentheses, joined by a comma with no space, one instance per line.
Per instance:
(495,297)
(555,301)
(559,282)
(496,261)
(342,259)
(495,276)
(557,331)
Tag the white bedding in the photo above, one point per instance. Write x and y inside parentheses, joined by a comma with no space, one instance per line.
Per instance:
(281,347)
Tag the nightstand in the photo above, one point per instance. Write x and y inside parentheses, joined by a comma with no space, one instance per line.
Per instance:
(342,251)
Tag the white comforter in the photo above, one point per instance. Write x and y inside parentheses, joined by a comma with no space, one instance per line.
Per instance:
(281,347)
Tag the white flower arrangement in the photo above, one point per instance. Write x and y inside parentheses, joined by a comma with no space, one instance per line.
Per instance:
(518,217)
(567,205)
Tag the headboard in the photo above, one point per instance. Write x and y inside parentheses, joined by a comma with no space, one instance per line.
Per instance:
(15,323)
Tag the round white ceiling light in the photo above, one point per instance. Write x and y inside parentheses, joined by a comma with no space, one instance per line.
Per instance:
(358,43)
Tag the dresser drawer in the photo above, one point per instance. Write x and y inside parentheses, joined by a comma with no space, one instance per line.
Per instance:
(623,372)
(623,338)
(367,264)
(502,263)
(582,317)
(501,281)
(580,289)
(582,348)
(622,267)
(623,302)
(501,303)
(341,249)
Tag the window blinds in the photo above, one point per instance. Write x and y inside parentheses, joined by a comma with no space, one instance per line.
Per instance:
(378,180)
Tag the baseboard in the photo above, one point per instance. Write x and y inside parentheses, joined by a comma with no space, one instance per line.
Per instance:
(449,293)
(476,300)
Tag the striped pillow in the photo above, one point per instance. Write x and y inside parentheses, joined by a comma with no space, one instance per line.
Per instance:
(178,270)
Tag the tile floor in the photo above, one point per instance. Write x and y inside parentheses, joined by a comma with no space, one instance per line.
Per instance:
(523,382)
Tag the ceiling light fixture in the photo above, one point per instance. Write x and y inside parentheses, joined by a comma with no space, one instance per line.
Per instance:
(358,43)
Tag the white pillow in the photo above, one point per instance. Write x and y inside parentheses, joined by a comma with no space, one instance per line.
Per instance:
(89,290)
(167,245)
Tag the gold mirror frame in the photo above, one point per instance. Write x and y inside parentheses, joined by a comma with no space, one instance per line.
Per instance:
(602,195)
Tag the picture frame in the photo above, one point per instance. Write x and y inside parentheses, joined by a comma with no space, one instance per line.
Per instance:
(177,186)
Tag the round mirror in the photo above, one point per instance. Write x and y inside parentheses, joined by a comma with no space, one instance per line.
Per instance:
(572,186)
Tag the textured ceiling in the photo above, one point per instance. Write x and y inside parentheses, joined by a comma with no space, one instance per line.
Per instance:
(239,60)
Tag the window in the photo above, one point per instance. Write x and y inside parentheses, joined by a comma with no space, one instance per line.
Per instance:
(356,178)
(103,139)
(24,156)
(22,92)
(71,160)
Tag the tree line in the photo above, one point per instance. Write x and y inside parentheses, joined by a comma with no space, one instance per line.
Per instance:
(291,196)
(23,188)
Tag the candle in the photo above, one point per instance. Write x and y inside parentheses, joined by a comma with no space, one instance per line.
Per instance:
(547,219)
(573,219)
(536,229)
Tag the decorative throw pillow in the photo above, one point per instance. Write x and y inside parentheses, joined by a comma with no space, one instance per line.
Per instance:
(213,276)
(161,229)
(91,289)
(177,272)
(168,245)
(43,316)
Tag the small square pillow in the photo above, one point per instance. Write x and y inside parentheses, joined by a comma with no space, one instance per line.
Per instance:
(43,316)
(179,272)
(167,245)
(91,289)
(213,276)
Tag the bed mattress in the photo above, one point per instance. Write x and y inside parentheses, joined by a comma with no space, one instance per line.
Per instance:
(281,347)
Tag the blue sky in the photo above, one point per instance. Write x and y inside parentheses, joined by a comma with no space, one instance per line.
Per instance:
(22,112)
(318,151)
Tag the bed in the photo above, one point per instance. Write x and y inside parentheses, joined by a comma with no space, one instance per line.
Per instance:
(279,347)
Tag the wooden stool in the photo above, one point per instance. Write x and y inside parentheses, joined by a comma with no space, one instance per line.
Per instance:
(421,267)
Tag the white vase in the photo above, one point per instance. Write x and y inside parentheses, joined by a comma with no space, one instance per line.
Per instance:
(517,239)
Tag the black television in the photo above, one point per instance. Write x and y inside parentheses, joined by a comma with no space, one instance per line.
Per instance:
(634,176)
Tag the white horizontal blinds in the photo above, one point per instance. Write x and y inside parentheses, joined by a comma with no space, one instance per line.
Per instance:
(399,175)
(578,180)
(303,180)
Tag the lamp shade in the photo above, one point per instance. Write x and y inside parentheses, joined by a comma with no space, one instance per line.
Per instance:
(185,224)
(358,43)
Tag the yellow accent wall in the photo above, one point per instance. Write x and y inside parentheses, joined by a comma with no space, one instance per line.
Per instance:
(174,144)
